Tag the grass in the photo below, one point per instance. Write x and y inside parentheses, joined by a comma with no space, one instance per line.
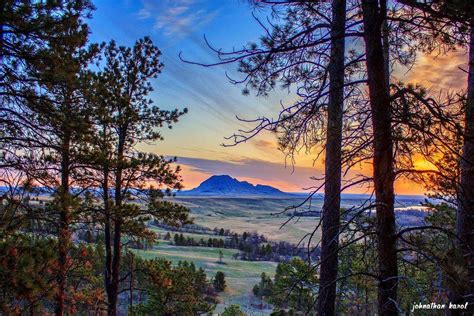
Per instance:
(238,215)
(251,214)
(262,215)
(241,275)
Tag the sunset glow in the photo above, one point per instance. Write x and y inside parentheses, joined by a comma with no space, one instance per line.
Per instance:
(214,103)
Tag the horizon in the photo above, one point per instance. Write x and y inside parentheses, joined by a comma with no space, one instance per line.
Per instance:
(318,194)
(213,102)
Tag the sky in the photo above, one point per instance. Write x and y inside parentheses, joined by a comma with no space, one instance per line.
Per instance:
(179,26)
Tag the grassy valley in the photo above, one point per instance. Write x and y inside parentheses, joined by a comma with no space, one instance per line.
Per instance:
(250,214)
(238,215)
(240,275)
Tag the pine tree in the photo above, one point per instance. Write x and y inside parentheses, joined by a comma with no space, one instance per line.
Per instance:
(219,281)
(374,15)
(264,288)
(124,117)
(42,52)
(459,14)
(333,163)
(61,113)
(221,257)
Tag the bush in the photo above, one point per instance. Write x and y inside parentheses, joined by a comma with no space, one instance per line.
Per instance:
(233,310)
(219,281)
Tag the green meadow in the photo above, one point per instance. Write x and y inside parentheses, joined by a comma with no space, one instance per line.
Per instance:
(238,214)
(252,214)
(241,275)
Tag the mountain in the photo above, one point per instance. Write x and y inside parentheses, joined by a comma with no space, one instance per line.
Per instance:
(224,185)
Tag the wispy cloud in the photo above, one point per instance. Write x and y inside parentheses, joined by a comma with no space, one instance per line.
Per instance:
(260,171)
(440,72)
(301,178)
(264,144)
(176,18)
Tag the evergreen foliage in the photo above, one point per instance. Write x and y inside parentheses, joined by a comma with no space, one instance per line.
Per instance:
(219,281)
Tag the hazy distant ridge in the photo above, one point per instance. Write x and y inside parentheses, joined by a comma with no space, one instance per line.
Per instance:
(224,185)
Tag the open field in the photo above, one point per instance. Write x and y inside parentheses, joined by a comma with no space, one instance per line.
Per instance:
(239,214)
(240,275)
(266,215)
(262,215)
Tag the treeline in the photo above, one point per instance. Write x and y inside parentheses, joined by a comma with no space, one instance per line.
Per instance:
(186,228)
(180,240)
(252,246)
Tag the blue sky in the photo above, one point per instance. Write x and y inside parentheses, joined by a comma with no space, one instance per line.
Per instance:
(213,102)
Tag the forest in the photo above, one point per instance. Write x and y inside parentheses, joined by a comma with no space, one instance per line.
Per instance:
(81,201)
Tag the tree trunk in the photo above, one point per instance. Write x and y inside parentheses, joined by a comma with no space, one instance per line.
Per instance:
(465,216)
(64,234)
(117,233)
(383,162)
(107,216)
(107,233)
(131,285)
(114,286)
(332,187)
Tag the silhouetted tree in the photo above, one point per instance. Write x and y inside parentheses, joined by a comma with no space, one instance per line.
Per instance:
(126,116)
(374,17)
(333,164)
(458,15)
(62,113)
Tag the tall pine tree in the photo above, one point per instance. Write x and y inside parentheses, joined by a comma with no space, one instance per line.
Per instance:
(124,117)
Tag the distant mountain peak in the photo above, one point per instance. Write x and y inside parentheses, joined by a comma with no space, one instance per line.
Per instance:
(225,185)
(220,177)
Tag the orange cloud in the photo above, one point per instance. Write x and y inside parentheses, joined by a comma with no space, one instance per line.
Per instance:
(434,72)
(439,72)
(281,185)
(262,144)
(196,170)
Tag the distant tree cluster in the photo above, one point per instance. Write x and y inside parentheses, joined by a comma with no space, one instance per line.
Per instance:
(180,240)
(252,246)
(186,228)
